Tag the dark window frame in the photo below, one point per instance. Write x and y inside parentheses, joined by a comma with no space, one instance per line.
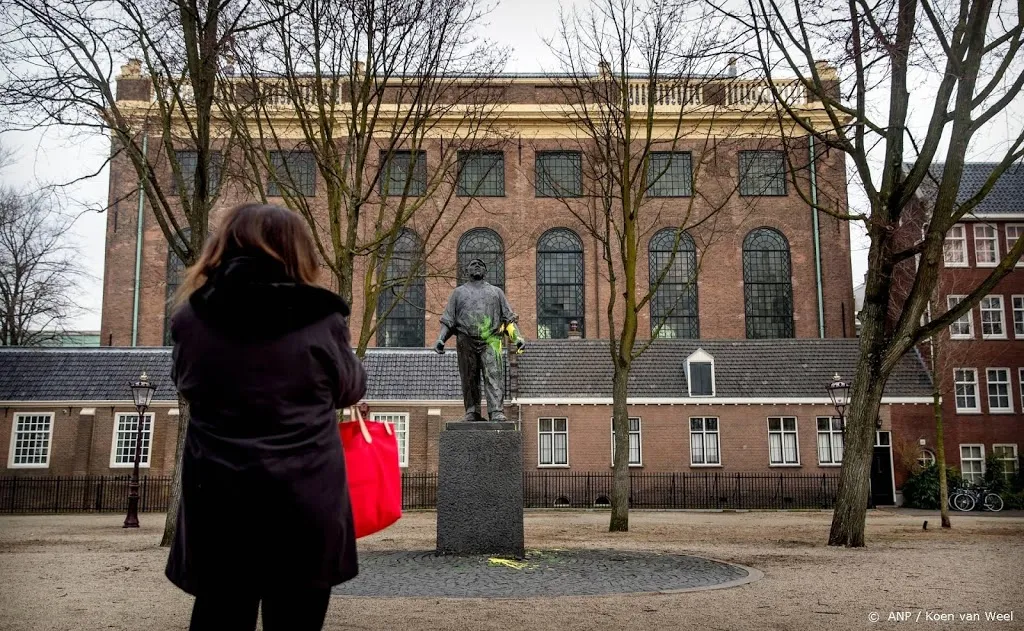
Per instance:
(417,181)
(190,157)
(545,187)
(295,162)
(407,320)
(686,314)
(560,273)
(768,285)
(657,185)
(753,160)
(468,165)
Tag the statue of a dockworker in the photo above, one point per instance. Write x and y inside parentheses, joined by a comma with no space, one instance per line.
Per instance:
(478,314)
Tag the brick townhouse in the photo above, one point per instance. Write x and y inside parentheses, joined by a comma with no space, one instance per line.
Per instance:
(980,358)
(741,406)
(766,267)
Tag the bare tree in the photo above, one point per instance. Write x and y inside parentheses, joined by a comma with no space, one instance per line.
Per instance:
(363,89)
(970,50)
(40,270)
(636,77)
(60,58)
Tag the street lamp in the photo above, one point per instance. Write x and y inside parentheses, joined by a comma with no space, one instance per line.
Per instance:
(839,392)
(142,393)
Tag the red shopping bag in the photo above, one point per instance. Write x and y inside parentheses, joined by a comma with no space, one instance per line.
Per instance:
(374,478)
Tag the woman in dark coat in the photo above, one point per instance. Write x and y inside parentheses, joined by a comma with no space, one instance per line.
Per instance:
(262,356)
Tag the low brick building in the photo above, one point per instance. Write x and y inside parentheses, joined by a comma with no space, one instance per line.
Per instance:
(734,407)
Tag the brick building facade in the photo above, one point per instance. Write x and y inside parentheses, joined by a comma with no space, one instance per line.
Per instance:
(980,358)
(519,219)
(766,412)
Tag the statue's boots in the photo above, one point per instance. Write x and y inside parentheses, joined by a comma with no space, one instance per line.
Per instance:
(498,417)
(472,416)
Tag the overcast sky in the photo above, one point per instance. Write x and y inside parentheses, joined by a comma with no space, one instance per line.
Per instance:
(523,24)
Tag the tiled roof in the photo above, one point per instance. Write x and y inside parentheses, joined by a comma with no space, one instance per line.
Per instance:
(743,368)
(1007,196)
(548,369)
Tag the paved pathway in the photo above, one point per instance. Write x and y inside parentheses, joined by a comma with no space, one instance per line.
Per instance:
(543,573)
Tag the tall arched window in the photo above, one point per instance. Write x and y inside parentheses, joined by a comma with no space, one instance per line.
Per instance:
(767,284)
(175,276)
(486,245)
(674,303)
(401,306)
(559,283)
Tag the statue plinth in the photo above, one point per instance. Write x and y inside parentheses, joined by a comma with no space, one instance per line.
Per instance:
(480,489)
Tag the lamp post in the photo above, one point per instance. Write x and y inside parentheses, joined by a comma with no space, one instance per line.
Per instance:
(839,392)
(142,393)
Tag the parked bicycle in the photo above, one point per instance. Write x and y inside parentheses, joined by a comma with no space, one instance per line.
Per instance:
(965,499)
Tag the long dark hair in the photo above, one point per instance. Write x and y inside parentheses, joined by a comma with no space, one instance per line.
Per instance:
(255,230)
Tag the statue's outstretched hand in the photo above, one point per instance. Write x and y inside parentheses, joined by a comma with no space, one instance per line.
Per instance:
(439,347)
(520,344)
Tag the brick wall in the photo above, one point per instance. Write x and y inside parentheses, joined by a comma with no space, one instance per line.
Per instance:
(520,218)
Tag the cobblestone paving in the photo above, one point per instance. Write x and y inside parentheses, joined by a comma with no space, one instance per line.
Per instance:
(542,573)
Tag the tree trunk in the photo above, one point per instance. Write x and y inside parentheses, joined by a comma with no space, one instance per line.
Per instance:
(854,477)
(171,522)
(940,455)
(620,421)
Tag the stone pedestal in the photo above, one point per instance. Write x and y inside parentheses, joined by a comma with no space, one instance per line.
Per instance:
(480,489)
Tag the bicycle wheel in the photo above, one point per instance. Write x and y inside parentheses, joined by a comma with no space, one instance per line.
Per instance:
(993,502)
(963,502)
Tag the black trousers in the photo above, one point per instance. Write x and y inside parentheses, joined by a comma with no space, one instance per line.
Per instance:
(292,611)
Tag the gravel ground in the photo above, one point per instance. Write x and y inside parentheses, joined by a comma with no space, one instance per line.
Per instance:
(85,572)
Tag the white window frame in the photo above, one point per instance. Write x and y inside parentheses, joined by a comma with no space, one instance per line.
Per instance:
(704,434)
(1008,474)
(14,441)
(952,301)
(1019,227)
(962,239)
(782,438)
(700,356)
(977,392)
(1016,300)
(148,454)
(832,433)
(1009,391)
(995,244)
(553,433)
(1020,385)
(639,438)
(1002,317)
(981,447)
(925,454)
(401,433)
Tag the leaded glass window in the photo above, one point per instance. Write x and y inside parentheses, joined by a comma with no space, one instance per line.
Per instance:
(559,174)
(402,168)
(402,303)
(175,276)
(481,174)
(669,174)
(762,173)
(674,303)
(559,283)
(767,284)
(486,245)
(293,172)
(187,163)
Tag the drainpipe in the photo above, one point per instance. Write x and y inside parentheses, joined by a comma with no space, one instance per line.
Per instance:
(817,240)
(138,250)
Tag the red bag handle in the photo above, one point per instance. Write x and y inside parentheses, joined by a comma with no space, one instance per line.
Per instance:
(358,416)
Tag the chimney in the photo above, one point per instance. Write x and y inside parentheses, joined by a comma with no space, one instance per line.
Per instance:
(574,330)
(604,69)
(731,72)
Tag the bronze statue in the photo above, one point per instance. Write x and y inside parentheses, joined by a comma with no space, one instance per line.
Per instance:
(478,314)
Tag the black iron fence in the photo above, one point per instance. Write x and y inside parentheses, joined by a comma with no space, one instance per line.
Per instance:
(541,489)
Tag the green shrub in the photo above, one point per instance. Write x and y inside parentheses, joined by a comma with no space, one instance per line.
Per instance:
(1013,501)
(921,490)
(995,478)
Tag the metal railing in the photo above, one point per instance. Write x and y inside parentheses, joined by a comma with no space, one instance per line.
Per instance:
(541,489)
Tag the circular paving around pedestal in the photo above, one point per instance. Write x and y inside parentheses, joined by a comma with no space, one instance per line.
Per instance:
(543,573)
